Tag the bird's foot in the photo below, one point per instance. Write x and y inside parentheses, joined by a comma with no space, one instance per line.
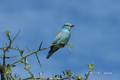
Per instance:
(61,44)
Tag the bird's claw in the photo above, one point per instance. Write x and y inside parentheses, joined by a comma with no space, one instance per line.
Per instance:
(62,44)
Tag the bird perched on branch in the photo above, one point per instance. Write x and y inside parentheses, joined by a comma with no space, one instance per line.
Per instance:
(61,39)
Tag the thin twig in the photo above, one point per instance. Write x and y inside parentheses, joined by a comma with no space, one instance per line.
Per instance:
(31,54)
(87,75)
(16,35)
(10,57)
(40,45)
(28,48)
(12,48)
(70,50)
(38,59)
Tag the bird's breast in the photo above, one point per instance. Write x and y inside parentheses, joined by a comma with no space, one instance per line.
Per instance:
(66,36)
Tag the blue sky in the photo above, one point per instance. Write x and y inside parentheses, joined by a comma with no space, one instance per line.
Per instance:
(95,38)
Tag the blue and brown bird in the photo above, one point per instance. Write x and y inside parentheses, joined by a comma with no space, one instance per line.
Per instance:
(61,39)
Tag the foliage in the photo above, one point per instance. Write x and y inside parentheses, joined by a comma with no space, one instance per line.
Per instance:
(6,69)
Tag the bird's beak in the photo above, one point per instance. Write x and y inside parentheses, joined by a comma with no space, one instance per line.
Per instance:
(72,25)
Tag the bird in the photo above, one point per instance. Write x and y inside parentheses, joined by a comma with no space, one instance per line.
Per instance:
(61,39)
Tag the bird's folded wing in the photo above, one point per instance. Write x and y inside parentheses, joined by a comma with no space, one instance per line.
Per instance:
(57,38)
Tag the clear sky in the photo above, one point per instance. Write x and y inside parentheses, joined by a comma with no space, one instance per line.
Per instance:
(95,37)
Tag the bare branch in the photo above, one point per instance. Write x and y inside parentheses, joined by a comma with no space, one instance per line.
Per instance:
(10,43)
(7,48)
(10,57)
(31,54)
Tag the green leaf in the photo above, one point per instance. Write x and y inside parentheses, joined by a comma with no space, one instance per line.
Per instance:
(13,65)
(7,31)
(5,69)
(63,72)
(92,66)
(66,72)
(21,52)
(29,66)
(70,45)
(8,65)
(10,70)
(41,73)
(69,73)
(79,77)
(13,78)
(19,78)
(48,78)
(26,62)
(10,77)
(55,75)
(89,65)
(60,76)
(7,73)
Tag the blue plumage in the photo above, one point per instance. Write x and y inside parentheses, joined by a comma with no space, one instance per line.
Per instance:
(62,36)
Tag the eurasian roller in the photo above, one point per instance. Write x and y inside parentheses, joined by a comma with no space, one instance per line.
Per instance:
(61,39)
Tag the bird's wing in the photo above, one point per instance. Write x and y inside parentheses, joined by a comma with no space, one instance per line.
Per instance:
(52,50)
(57,37)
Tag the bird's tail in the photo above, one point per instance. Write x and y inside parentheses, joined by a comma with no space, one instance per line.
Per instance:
(51,52)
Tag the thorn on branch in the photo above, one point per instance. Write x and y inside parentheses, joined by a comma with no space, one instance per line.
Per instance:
(28,48)
(32,53)
(10,57)
(38,59)
(40,45)
(16,35)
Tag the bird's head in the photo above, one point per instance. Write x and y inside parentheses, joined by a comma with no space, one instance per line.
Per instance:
(68,26)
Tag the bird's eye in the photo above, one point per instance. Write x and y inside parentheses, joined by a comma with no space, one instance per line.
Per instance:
(66,25)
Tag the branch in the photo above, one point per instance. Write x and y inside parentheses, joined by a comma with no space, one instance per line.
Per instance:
(10,43)
(16,35)
(32,53)
(10,57)
(40,45)
(87,75)
(6,49)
